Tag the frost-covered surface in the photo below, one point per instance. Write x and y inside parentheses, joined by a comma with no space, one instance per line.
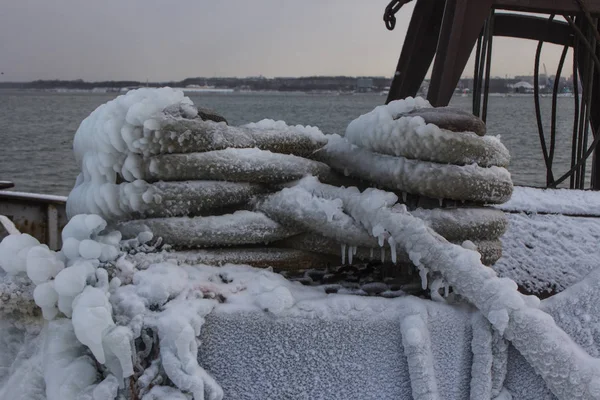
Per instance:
(259,324)
(21,359)
(553,201)
(548,253)
(465,223)
(89,344)
(351,345)
(417,348)
(236,165)
(239,228)
(409,136)
(16,296)
(120,327)
(297,207)
(114,146)
(325,218)
(560,362)
(179,135)
(282,258)
(469,182)
(140,199)
(318,339)
(576,311)
(113,137)
(481,347)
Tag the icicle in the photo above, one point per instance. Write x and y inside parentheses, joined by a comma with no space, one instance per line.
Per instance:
(441,202)
(371,255)
(434,290)
(404,197)
(350,254)
(446,289)
(379,233)
(343,254)
(354,250)
(423,274)
(392,243)
(382,255)
(329,216)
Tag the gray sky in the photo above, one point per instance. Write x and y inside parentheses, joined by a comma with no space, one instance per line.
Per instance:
(172,40)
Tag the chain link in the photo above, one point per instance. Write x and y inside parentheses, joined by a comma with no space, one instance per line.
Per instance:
(389,16)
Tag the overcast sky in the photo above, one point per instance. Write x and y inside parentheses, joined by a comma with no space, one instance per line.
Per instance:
(174,39)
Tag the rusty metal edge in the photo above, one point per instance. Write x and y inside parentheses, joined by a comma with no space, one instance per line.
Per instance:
(32,197)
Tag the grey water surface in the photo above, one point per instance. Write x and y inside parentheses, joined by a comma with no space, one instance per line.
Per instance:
(37,128)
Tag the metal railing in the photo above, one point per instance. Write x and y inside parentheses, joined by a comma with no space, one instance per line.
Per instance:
(41,216)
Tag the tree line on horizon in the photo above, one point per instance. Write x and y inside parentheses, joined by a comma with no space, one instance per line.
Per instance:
(309,83)
(251,83)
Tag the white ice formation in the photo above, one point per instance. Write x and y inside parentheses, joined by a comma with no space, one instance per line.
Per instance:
(183,176)
(561,363)
(241,227)
(141,136)
(406,154)
(95,322)
(382,131)
(125,324)
(167,303)
(243,165)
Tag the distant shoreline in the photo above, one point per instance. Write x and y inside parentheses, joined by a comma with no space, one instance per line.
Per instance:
(310,84)
(215,91)
(190,91)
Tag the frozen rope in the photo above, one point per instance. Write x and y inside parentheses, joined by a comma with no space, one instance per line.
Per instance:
(565,367)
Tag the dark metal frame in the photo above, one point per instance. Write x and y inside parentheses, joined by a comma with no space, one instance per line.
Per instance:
(449,30)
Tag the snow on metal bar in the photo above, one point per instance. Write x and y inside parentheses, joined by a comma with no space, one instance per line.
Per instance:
(417,348)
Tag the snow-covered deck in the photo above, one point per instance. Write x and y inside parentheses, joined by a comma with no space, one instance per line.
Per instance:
(352,348)
(553,201)
(340,347)
(278,339)
(552,238)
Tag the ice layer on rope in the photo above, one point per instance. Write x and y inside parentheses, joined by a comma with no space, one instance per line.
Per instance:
(117,141)
(435,180)
(383,131)
(108,140)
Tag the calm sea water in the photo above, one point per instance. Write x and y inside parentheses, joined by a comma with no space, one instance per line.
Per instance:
(37,128)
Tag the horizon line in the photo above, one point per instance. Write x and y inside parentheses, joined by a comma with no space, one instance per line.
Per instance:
(238,77)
